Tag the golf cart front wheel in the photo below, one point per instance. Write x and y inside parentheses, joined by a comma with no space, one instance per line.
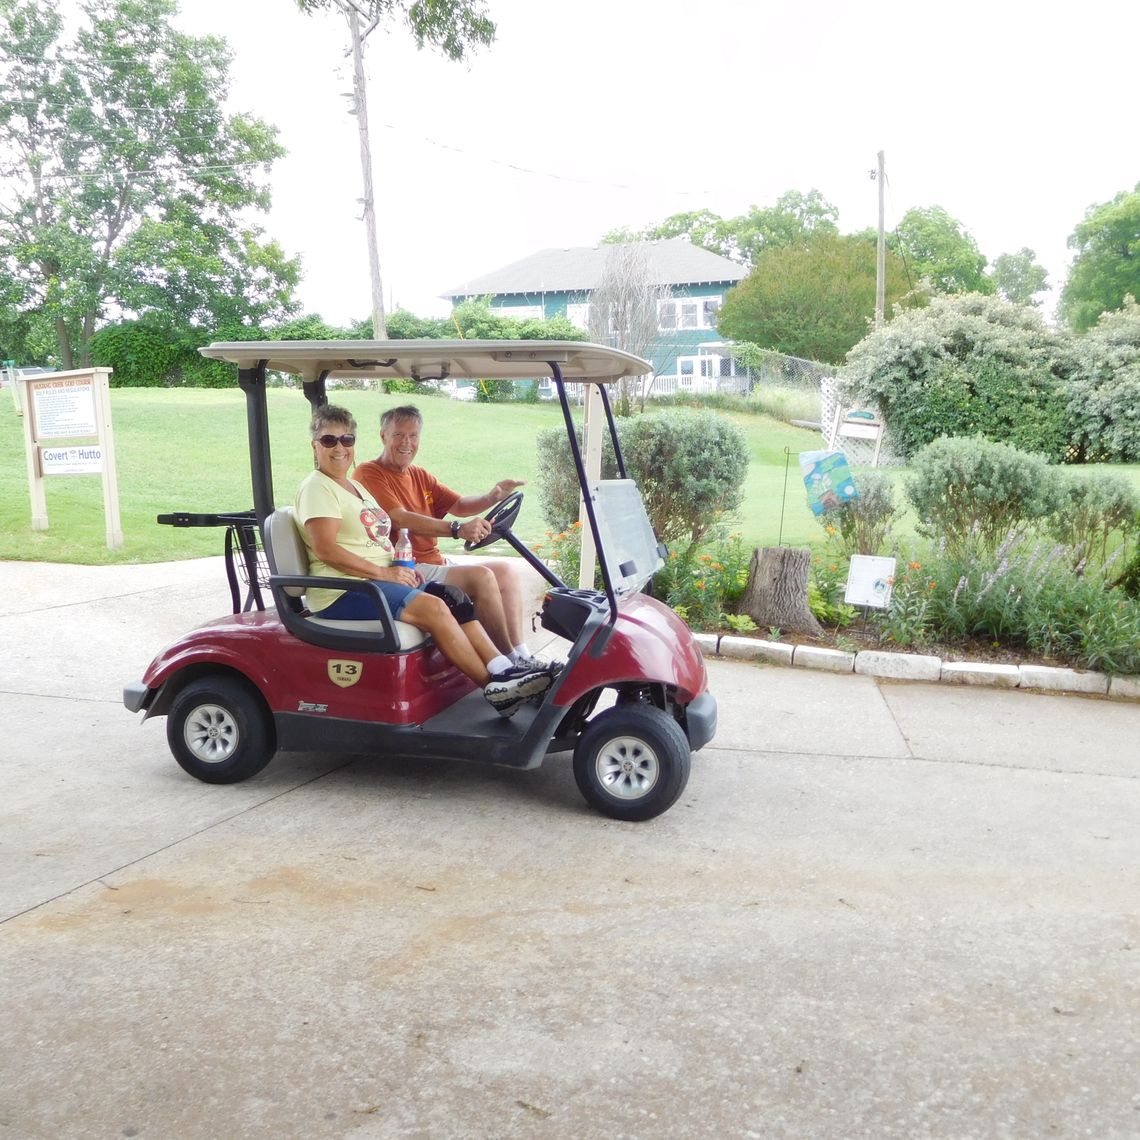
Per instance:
(219,730)
(632,762)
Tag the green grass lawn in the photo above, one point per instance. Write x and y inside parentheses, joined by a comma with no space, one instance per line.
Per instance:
(186,450)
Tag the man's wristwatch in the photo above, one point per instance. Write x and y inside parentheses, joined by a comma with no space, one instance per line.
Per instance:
(454,528)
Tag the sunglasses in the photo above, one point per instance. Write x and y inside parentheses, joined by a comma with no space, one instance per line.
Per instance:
(333,440)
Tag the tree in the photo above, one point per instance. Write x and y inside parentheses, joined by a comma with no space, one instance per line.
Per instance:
(793,222)
(937,247)
(812,301)
(453,26)
(125,179)
(624,309)
(1107,266)
(1018,278)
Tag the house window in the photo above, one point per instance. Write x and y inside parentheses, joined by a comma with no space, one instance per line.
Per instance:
(579,316)
(688,313)
(519,312)
(686,372)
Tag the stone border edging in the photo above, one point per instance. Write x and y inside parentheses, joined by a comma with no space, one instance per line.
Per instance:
(918,667)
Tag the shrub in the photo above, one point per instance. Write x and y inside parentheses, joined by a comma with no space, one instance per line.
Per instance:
(690,467)
(863,525)
(1104,397)
(1091,510)
(966,365)
(141,355)
(974,492)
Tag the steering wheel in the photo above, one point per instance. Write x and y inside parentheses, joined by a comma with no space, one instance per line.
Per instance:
(501,517)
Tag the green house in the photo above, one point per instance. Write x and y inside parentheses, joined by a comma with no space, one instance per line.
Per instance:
(688,354)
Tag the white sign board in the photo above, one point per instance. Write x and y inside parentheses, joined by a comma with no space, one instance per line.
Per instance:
(63,409)
(71,460)
(869,580)
(70,405)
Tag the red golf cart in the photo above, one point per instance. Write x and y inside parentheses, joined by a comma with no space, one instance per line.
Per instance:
(632,702)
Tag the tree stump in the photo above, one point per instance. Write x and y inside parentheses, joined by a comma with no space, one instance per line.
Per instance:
(777,591)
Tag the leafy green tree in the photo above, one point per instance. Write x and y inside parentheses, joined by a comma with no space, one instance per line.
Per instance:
(126,183)
(1018,278)
(793,222)
(814,301)
(1107,266)
(937,248)
(967,365)
(452,26)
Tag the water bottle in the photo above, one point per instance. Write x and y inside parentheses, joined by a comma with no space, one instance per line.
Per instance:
(402,552)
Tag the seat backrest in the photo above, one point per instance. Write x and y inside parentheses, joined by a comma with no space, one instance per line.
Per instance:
(285,548)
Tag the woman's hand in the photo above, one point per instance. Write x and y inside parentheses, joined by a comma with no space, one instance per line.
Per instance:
(401,575)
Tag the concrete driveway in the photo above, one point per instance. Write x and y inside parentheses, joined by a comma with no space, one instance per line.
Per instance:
(879,910)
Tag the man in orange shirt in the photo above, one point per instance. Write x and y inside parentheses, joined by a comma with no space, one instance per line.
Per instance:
(415,499)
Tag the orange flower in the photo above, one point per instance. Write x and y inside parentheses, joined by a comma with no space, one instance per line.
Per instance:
(932,585)
(717,566)
(700,585)
(914,565)
(577,526)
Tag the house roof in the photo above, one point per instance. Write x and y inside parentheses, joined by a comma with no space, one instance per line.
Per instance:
(677,261)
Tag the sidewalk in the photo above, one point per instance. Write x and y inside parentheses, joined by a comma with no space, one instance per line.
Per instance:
(880,908)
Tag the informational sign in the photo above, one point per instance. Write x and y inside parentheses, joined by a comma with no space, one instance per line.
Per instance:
(71,460)
(69,406)
(63,409)
(869,580)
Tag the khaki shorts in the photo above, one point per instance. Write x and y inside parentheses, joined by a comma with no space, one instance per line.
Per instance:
(432,572)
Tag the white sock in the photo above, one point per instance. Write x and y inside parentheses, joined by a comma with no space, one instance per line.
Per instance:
(499,664)
(519,651)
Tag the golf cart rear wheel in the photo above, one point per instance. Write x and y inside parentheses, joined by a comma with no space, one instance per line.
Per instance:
(632,762)
(220,731)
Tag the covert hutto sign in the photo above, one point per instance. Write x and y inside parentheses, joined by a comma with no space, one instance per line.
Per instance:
(71,406)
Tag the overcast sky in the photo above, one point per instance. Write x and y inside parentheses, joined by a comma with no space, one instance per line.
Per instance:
(586,116)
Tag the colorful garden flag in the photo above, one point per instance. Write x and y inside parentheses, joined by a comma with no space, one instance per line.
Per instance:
(828,480)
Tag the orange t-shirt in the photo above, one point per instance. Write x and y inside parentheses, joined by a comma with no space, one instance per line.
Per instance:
(411,490)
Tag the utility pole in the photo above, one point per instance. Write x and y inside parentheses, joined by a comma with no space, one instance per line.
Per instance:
(881,259)
(360,109)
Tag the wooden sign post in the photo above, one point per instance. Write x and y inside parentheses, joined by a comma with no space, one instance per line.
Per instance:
(71,406)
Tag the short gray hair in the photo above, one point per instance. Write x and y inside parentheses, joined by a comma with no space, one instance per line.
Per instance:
(405,412)
(329,414)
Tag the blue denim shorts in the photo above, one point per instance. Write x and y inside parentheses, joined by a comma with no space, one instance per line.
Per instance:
(354,605)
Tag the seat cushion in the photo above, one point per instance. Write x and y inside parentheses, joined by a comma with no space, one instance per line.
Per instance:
(410,636)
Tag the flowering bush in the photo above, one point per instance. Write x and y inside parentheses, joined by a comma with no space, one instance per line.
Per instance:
(701,585)
(967,365)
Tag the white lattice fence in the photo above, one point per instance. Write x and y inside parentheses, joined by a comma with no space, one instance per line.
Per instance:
(860,452)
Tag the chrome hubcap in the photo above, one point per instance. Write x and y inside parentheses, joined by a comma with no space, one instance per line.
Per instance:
(627,767)
(211,733)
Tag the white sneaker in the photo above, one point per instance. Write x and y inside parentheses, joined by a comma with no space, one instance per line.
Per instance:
(526,661)
(506,691)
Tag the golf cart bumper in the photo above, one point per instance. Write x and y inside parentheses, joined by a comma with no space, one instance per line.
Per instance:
(136,696)
(700,721)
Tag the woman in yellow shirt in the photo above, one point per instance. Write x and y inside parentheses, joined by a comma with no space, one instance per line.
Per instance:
(348,534)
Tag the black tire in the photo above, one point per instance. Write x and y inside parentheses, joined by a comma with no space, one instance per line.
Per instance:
(220,730)
(632,762)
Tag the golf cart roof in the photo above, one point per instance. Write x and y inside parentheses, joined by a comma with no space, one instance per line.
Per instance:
(432,359)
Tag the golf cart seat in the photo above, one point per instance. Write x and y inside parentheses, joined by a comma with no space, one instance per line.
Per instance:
(289,579)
